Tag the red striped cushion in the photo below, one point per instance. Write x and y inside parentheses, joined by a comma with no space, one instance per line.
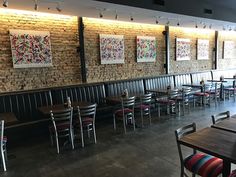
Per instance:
(201,94)
(119,112)
(233,174)
(204,165)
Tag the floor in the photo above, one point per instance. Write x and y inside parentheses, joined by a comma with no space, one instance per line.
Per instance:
(148,152)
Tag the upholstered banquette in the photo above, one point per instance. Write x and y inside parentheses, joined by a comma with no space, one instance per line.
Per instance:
(181,79)
(198,76)
(159,82)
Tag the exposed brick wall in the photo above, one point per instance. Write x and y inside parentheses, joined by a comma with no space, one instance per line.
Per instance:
(130,69)
(225,63)
(193,64)
(64,40)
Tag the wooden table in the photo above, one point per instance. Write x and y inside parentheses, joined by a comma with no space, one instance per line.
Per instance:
(113,100)
(45,110)
(9,119)
(215,142)
(226,124)
(163,91)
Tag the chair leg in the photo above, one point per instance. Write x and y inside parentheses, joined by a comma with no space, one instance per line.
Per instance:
(82,135)
(57,143)
(72,139)
(3,160)
(124,123)
(94,134)
(133,121)
(150,117)
(114,121)
(159,110)
(141,116)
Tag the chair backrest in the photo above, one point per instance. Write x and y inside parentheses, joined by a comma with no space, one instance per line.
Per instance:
(181,132)
(128,102)
(1,132)
(219,117)
(186,92)
(146,98)
(173,93)
(61,116)
(88,111)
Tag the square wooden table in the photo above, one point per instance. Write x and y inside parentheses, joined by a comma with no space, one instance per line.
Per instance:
(226,124)
(216,142)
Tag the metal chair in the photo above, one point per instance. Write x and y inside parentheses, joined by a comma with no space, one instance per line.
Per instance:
(126,113)
(202,97)
(145,107)
(168,101)
(219,117)
(197,163)
(3,148)
(62,126)
(86,117)
(214,92)
(230,91)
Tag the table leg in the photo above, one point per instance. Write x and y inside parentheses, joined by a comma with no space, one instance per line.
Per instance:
(226,168)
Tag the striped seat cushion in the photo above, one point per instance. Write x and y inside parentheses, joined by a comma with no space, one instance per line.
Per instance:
(201,94)
(204,165)
(119,112)
(233,174)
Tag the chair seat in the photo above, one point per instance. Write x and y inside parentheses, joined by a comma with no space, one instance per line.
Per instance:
(119,112)
(230,89)
(201,94)
(204,165)
(165,101)
(233,173)
(61,126)
(86,121)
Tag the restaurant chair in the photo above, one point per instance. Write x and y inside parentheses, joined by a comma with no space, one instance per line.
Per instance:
(86,121)
(233,173)
(219,117)
(168,102)
(61,127)
(3,148)
(125,113)
(145,107)
(197,163)
(214,92)
(230,91)
(202,97)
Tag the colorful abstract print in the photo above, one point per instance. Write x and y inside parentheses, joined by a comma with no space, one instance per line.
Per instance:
(202,49)
(183,49)
(146,49)
(30,48)
(111,49)
(229,49)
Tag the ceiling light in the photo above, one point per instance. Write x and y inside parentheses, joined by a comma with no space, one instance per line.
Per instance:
(59,9)
(36,5)
(157,21)
(204,26)
(5,3)
(178,24)
(116,16)
(196,26)
(168,22)
(131,18)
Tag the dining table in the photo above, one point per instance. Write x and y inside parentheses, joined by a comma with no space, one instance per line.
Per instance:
(228,124)
(45,110)
(216,142)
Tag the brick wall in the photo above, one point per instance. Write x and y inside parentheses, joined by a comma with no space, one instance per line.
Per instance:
(130,69)
(193,64)
(226,63)
(64,40)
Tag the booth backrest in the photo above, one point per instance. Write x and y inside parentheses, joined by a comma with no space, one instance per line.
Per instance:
(198,76)
(134,86)
(181,79)
(159,82)
(94,93)
(24,104)
(226,73)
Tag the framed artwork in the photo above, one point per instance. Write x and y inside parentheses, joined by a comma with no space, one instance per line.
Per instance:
(111,49)
(229,49)
(30,48)
(183,47)
(146,49)
(202,49)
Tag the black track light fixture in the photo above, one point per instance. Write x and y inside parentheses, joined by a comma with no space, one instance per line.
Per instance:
(5,3)
(59,9)
(36,6)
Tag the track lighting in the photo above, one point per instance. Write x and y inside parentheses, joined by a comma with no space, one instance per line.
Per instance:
(59,9)
(196,26)
(116,16)
(210,26)
(36,5)
(178,24)
(204,26)
(5,3)
(131,18)
(168,22)
(100,15)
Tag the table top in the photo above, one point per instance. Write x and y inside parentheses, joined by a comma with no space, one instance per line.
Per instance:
(117,99)
(193,85)
(226,124)
(213,80)
(163,91)
(9,118)
(46,109)
(213,141)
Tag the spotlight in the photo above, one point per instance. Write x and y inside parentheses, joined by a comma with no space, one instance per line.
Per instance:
(168,22)
(100,15)
(210,26)
(178,24)
(157,21)
(116,16)
(5,3)
(59,9)
(204,26)
(196,26)
(36,5)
